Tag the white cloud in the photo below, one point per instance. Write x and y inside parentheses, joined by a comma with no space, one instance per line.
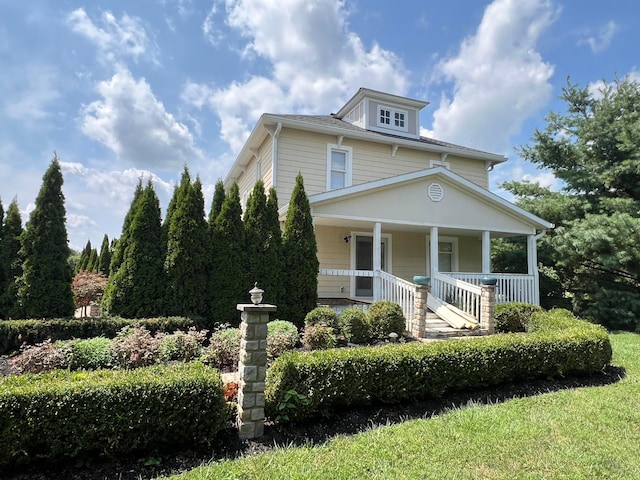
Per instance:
(115,39)
(499,79)
(28,91)
(316,63)
(210,30)
(602,39)
(132,122)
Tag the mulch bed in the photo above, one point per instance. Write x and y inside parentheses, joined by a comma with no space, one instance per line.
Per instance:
(228,445)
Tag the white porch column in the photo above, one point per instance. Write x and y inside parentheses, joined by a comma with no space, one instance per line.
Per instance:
(377,263)
(486,251)
(532,266)
(433,253)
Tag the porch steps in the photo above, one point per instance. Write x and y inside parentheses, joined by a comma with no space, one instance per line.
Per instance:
(436,328)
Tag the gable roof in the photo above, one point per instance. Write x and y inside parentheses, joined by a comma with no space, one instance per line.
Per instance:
(389,200)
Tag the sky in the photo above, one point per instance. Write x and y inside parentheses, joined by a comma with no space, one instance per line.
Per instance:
(123,90)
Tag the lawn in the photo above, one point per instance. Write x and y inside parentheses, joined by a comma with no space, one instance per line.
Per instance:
(584,433)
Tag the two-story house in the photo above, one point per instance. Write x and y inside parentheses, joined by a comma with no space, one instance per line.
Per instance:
(389,204)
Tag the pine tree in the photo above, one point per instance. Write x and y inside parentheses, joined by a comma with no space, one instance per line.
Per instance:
(216,204)
(230,285)
(136,289)
(187,264)
(92,264)
(263,244)
(45,284)
(11,261)
(84,258)
(104,260)
(300,259)
(122,243)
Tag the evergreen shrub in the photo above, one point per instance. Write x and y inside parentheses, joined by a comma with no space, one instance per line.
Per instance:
(182,346)
(354,325)
(322,316)
(318,337)
(223,351)
(386,317)
(90,354)
(557,344)
(61,415)
(281,336)
(514,317)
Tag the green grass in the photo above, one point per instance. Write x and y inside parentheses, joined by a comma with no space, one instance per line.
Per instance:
(584,433)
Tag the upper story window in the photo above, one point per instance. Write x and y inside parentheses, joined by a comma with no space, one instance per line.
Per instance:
(338,166)
(392,118)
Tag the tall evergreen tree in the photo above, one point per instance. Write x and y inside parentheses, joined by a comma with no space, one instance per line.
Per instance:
(216,204)
(300,259)
(262,244)
(187,264)
(45,284)
(104,259)
(273,227)
(11,261)
(84,258)
(230,285)
(92,264)
(122,243)
(136,289)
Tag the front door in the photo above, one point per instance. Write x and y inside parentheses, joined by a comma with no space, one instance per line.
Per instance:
(364,261)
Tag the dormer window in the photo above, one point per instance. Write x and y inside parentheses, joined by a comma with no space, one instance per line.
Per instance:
(392,118)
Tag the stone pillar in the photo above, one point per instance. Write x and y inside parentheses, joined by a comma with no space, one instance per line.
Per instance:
(252,369)
(418,322)
(488,304)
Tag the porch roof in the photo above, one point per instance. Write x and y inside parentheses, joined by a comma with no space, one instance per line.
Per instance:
(423,199)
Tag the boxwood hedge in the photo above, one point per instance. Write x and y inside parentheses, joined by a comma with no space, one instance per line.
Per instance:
(13,333)
(557,343)
(66,414)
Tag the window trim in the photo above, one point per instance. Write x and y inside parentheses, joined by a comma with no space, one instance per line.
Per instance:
(331,147)
(455,254)
(392,113)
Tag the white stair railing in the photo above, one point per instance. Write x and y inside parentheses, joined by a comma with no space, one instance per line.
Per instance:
(400,291)
(461,294)
(511,287)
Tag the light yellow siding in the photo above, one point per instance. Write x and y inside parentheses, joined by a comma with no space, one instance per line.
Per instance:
(333,252)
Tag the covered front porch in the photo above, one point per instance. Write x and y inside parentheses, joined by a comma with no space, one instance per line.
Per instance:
(373,239)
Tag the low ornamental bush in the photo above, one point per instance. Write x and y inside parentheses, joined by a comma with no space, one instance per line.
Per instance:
(42,357)
(281,336)
(15,333)
(514,317)
(182,346)
(557,344)
(90,354)
(318,337)
(354,325)
(135,347)
(223,351)
(64,414)
(322,316)
(386,317)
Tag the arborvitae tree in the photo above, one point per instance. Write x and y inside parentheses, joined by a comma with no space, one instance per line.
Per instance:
(262,244)
(228,275)
(216,204)
(81,266)
(122,243)
(300,259)
(273,226)
(92,264)
(136,289)
(104,259)
(11,261)
(45,284)
(187,265)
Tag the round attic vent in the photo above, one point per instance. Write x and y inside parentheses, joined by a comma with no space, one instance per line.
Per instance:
(435,192)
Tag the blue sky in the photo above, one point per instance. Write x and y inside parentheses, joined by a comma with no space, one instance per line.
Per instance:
(124,90)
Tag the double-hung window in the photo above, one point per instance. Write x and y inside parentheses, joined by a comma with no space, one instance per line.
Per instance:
(338,167)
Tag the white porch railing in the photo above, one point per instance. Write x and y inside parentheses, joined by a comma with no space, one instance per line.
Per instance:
(385,287)
(511,287)
(457,292)
(400,291)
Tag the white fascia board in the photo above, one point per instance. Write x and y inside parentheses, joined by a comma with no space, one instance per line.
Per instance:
(437,171)
(377,138)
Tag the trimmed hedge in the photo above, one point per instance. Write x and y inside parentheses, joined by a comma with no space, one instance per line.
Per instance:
(514,317)
(13,333)
(331,379)
(65,414)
